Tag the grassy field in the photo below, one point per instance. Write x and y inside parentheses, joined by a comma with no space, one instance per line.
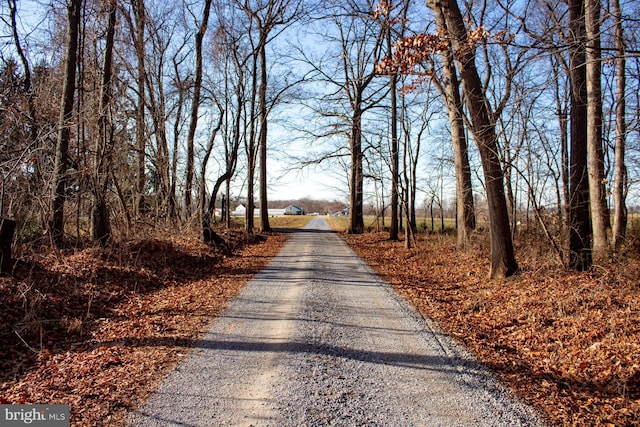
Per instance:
(287,221)
(290,221)
(341,223)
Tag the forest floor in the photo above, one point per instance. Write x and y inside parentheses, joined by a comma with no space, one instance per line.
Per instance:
(99,328)
(566,342)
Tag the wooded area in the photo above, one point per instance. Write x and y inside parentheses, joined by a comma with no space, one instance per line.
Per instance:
(121,115)
(111,145)
(126,125)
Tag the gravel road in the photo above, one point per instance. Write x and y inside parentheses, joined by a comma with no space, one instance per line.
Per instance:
(317,339)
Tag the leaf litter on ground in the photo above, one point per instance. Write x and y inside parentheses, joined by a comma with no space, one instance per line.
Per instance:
(566,342)
(98,329)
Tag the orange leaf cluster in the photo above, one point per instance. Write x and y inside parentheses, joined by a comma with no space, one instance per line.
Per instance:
(383,9)
(411,53)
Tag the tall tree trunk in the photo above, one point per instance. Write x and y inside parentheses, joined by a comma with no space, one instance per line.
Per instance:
(141,180)
(465,212)
(409,196)
(595,152)
(64,124)
(563,124)
(412,185)
(157,106)
(503,262)
(26,69)
(100,229)
(620,180)
(579,225)
(206,209)
(356,223)
(250,148)
(262,137)
(174,211)
(395,173)
(27,85)
(193,124)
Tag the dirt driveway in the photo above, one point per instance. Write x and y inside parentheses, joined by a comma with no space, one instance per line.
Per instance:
(317,339)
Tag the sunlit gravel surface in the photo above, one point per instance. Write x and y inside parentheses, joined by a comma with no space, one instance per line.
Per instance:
(316,339)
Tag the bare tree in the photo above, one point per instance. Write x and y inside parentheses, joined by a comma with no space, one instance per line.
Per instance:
(27,81)
(100,229)
(579,225)
(465,212)
(560,71)
(195,105)
(412,143)
(235,84)
(207,209)
(361,44)
(181,85)
(251,146)
(620,181)
(503,262)
(140,18)
(595,152)
(56,225)
(268,15)
(164,103)
(384,13)
(8,225)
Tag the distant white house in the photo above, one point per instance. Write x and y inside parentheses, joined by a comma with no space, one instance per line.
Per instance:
(293,210)
(241,210)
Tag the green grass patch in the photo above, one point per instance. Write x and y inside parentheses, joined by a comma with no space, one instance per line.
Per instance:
(338,223)
(289,221)
(436,225)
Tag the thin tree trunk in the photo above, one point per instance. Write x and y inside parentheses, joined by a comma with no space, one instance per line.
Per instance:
(159,118)
(141,180)
(413,183)
(205,215)
(595,152)
(100,229)
(193,124)
(27,85)
(64,124)
(620,174)
(465,215)
(395,173)
(232,159)
(563,124)
(250,148)
(174,211)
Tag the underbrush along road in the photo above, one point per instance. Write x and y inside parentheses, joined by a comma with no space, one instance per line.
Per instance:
(317,339)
